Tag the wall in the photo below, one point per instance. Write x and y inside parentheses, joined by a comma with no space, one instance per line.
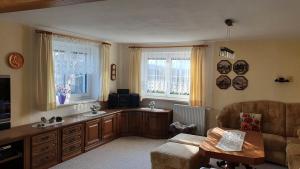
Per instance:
(20,38)
(17,38)
(267,60)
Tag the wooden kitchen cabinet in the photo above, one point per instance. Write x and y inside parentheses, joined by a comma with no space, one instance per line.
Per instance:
(45,150)
(123,124)
(135,123)
(72,141)
(92,133)
(156,125)
(109,127)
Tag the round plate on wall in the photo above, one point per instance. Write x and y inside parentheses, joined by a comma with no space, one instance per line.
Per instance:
(223,82)
(224,67)
(15,60)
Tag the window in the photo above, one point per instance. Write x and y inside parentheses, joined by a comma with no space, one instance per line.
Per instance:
(76,68)
(166,72)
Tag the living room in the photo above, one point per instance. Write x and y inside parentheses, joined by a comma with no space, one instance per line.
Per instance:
(262,36)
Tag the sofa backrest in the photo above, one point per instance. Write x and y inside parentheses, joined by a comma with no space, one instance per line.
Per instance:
(292,119)
(273,115)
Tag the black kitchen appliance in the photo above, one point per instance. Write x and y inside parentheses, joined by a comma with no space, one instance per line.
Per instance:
(5,100)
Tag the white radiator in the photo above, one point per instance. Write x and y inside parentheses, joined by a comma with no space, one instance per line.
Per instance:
(190,115)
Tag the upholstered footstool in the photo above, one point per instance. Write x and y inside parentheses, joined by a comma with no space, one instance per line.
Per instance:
(177,156)
(189,139)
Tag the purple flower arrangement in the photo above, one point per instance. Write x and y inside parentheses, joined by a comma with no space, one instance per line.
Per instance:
(62,92)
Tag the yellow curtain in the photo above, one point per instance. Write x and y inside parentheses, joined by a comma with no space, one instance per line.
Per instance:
(196,76)
(135,70)
(105,54)
(45,86)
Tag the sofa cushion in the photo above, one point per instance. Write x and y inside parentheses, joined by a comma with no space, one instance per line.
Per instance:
(273,115)
(189,139)
(274,142)
(295,140)
(250,121)
(293,155)
(292,119)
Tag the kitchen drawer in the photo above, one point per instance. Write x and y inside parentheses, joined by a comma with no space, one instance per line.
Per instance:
(44,160)
(43,138)
(44,148)
(71,151)
(72,139)
(73,130)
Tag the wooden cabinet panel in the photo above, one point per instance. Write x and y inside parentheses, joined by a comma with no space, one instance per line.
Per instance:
(43,138)
(109,127)
(134,123)
(92,133)
(72,141)
(156,125)
(44,150)
(123,124)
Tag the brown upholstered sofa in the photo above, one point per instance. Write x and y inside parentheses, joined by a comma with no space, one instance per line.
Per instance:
(280,127)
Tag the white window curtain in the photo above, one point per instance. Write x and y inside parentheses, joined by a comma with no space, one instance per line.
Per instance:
(75,60)
(166,72)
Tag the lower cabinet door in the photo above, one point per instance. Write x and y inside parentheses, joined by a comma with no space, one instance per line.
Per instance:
(92,133)
(123,126)
(109,127)
(156,125)
(134,123)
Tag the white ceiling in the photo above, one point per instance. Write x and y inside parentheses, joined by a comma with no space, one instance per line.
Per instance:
(144,21)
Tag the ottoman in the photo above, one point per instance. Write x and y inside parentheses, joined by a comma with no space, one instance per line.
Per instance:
(177,156)
(189,139)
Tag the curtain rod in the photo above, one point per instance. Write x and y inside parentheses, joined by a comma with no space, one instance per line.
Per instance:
(179,46)
(71,36)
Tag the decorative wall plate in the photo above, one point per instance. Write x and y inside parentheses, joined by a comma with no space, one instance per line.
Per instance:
(224,67)
(240,83)
(240,67)
(15,60)
(113,71)
(223,82)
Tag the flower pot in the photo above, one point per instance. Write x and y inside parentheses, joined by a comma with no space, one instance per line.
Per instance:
(61,99)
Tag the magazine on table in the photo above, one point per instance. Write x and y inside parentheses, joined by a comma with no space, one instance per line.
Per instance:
(232,140)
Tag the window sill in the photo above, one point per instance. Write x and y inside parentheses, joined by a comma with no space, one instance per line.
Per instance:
(183,100)
(71,103)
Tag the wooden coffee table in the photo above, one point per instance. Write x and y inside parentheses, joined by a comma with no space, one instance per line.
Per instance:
(252,152)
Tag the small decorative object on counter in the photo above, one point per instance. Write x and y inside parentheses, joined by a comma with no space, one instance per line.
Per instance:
(152,105)
(62,91)
(58,119)
(95,108)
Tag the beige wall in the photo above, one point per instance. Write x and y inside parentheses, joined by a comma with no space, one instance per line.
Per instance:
(19,38)
(267,60)
(16,38)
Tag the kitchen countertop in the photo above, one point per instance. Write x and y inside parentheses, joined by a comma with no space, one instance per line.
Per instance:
(20,132)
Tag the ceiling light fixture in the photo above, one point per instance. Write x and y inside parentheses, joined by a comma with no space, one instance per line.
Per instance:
(224,51)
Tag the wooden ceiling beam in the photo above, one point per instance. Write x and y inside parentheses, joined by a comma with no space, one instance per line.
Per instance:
(23,5)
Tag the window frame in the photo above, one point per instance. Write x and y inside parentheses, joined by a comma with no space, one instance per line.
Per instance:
(75,47)
(168,78)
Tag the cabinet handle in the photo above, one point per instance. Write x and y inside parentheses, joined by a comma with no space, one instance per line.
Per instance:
(95,125)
